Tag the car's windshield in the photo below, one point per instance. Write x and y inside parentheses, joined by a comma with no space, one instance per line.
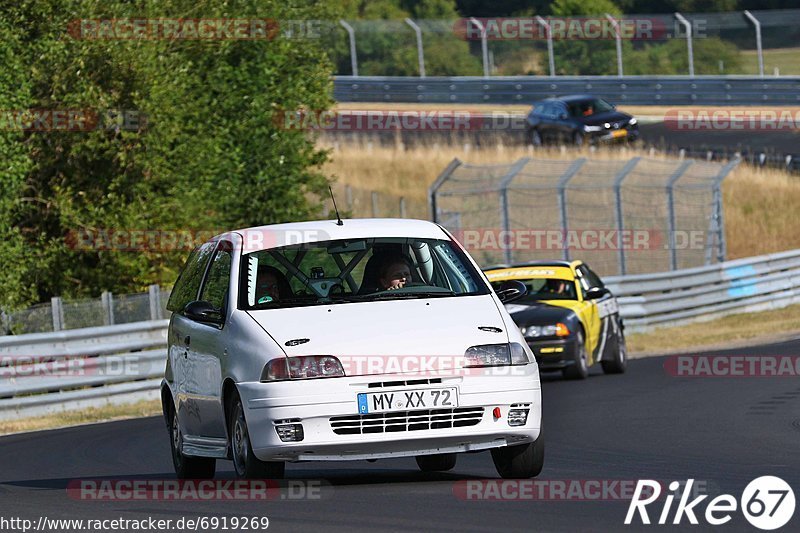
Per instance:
(585,108)
(356,270)
(545,289)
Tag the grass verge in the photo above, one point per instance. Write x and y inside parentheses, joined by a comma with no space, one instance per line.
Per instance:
(730,331)
(86,416)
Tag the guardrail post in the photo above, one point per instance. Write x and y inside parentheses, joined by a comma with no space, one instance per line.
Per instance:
(107,301)
(58,313)
(484,46)
(618,39)
(688,27)
(420,53)
(402,207)
(562,202)
(154,292)
(671,222)
(434,188)
(374,204)
(352,37)
(549,35)
(620,221)
(757,25)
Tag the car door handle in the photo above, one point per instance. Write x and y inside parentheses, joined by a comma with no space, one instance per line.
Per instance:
(187,340)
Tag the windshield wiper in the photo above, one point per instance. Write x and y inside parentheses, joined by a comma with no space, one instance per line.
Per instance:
(392,295)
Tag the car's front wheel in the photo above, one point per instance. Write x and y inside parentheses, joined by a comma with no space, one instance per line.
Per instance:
(619,361)
(187,467)
(579,369)
(441,462)
(246,464)
(521,461)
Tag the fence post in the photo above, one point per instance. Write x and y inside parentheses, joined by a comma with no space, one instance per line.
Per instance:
(757,24)
(688,26)
(620,221)
(374,204)
(508,253)
(402,207)
(348,197)
(484,46)
(420,52)
(107,301)
(716,225)
(154,292)
(58,313)
(618,38)
(671,221)
(352,37)
(562,202)
(549,35)
(434,188)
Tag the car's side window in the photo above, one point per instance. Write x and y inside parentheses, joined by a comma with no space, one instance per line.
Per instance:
(188,283)
(592,279)
(215,288)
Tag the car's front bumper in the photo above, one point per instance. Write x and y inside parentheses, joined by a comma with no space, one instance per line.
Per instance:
(313,403)
(553,354)
(622,134)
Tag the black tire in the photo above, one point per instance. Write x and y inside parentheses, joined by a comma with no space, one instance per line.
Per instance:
(246,464)
(441,462)
(580,368)
(535,137)
(187,467)
(522,461)
(577,138)
(619,362)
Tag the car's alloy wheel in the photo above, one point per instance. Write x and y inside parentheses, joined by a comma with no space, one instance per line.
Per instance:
(521,461)
(437,463)
(246,464)
(580,367)
(619,362)
(187,467)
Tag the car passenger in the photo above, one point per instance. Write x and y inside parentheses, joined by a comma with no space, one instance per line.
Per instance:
(271,285)
(395,273)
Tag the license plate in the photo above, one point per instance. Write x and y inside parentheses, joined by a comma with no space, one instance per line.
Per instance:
(619,133)
(407,400)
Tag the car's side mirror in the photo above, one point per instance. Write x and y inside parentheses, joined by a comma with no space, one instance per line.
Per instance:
(511,290)
(201,311)
(595,292)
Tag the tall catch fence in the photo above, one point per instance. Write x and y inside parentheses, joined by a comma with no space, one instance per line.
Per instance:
(623,217)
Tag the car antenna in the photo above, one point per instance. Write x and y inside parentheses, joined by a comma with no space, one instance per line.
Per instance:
(338,218)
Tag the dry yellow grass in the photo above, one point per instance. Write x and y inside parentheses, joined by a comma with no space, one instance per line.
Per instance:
(759,205)
(86,416)
(743,328)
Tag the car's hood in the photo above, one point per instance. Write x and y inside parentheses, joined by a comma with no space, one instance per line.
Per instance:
(539,314)
(611,117)
(428,327)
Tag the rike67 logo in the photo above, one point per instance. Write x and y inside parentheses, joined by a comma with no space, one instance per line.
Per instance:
(767,503)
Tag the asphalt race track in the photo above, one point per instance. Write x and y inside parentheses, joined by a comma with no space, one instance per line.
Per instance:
(645,424)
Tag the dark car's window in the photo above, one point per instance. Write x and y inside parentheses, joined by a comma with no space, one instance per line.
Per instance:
(189,279)
(588,107)
(215,288)
(589,279)
(545,289)
(356,270)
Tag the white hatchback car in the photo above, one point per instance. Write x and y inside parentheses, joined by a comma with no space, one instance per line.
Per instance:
(326,341)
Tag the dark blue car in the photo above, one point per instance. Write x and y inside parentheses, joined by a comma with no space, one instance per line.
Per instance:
(579,119)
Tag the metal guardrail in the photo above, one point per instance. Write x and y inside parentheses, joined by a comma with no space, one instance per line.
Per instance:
(46,373)
(99,366)
(631,90)
(703,293)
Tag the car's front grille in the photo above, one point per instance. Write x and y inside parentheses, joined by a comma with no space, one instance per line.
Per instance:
(406,421)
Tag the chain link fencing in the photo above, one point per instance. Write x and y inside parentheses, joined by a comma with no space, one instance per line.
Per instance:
(623,217)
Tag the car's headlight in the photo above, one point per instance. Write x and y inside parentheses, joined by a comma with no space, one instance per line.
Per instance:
(632,121)
(302,367)
(496,355)
(551,330)
(590,129)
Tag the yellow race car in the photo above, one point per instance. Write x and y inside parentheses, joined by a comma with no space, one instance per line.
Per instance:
(568,317)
